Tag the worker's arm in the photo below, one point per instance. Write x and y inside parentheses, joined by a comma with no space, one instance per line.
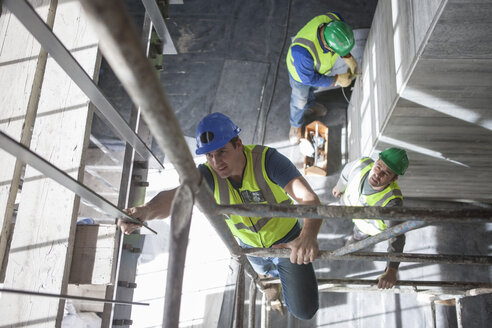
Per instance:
(304,65)
(304,249)
(339,189)
(158,207)
(396,244)
(388,278)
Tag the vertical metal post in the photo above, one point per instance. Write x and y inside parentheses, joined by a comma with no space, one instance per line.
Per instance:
(433,310)
(239,299)
(459,319)
(252,304)
(265,312)
(181,211)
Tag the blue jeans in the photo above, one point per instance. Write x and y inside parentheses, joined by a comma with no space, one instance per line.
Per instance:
(301,98)
(299,284)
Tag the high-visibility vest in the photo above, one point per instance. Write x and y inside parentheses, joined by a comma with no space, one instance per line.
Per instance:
(256,188)
(353,196)
(307,38)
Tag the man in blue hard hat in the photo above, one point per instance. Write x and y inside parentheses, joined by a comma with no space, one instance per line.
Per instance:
(366,182)
(246,174)
(311,57)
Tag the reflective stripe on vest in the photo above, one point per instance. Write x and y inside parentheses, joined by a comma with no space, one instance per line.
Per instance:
(353,196)
(307,37)
(256,188)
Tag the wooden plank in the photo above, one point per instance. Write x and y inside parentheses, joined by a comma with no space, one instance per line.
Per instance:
(43,238)
(93,254)
(22,63)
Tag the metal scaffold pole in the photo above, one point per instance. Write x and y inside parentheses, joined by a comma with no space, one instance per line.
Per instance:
(471,215)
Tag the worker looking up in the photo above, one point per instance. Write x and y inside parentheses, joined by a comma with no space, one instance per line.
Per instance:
(368,183)
(311,56)
(237,174)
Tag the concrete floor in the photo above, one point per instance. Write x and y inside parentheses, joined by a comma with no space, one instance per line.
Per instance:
(232,59)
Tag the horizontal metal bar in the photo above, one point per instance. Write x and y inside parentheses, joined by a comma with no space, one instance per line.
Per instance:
(386,234)
(378,256)
(411,283)
(35,25)
(25,155)
(350,212)
(69,297)
(462,285)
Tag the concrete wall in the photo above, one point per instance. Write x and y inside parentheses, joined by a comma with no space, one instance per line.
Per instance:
(423,87)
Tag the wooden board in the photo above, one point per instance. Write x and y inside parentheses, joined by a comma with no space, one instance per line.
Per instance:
(93,254)
(22,62)
(41,246)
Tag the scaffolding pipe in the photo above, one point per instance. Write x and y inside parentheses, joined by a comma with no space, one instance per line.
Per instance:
(475,215)
(379,256)
(122,49)
(239,299)
(182,209)
(383,235)
(69,297)
(252,304)
(459,315)
(415,284)
(459,285)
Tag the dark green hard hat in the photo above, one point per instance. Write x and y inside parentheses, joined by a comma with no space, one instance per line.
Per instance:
(396,159)
(339,37)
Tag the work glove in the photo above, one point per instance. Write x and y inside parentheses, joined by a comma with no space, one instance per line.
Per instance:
(351,64)
(344,80)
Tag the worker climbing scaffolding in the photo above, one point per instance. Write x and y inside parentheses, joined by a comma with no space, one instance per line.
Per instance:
(366,182)
(246,174)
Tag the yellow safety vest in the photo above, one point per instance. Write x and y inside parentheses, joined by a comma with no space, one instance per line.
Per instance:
(353,196)
(256,188)
(307,38)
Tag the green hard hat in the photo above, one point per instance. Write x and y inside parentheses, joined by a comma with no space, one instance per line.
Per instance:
(339,37)
(396,159)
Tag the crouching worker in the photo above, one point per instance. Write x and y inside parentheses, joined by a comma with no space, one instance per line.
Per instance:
(238,174)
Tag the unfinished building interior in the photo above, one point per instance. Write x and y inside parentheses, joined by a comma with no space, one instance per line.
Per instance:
(99,105)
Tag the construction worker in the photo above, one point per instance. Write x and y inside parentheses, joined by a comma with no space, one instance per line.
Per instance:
(238,173)
(366,182)
(311,56)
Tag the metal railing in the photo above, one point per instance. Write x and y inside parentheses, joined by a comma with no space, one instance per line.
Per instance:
(126,56)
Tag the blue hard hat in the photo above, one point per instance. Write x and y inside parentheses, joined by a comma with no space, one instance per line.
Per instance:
(213,132)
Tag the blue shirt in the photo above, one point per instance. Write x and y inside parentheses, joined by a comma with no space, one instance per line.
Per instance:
(304,64)
(278,168)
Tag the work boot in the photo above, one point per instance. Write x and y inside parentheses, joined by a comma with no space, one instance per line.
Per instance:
(272,294)
(294,135)
(317,110)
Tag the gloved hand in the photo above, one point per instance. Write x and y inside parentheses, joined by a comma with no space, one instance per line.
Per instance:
(344,79)
(351,64)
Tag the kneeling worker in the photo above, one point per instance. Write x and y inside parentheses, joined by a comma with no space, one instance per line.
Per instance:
(238,174)
(366,182)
